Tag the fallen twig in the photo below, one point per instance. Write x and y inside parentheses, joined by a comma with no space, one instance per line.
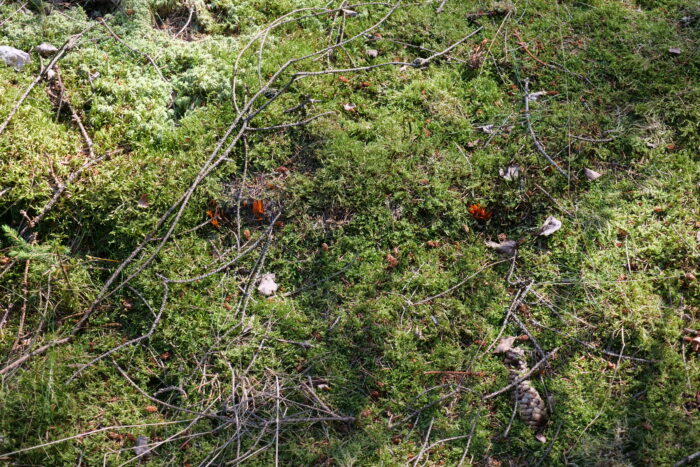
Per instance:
(536,142)
(459,284)
(592,347)
(687,459)
(136,340)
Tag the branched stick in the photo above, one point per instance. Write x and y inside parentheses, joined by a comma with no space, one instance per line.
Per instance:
(291,125)
(92,160)
(92,432)
(136,340)
(592,347)
(471,435)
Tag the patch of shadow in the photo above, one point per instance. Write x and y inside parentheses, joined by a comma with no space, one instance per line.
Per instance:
(93,8)
(180,21)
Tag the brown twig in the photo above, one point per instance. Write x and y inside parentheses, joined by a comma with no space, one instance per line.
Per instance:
(23,313)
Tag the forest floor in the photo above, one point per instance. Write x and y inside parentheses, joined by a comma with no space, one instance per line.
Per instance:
(179,151)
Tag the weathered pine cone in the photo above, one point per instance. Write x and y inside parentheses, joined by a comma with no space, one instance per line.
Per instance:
(531,407)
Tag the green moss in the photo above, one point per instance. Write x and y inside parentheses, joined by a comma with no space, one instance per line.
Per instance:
(394,177)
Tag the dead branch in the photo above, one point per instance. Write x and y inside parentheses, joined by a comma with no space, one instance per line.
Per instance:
(23,313)
(471,435)
(687,459)
(92,432)
(292,125)
(92,160)
(136,340)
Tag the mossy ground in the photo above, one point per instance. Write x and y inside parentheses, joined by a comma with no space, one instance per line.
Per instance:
(394,177)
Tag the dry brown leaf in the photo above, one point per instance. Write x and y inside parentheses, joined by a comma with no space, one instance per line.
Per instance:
(505,344)
(143,201)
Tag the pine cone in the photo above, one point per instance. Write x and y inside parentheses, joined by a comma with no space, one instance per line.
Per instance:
(531,407)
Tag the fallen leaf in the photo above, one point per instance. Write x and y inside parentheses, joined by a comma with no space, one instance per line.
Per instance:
(697,236)
(115,436)
(512,172)
(349,107)
(215,223)
(391,261)
(151,409)
(541,438)
(350,13)
(506,247)
(143,201)
(246,234)
(267,285)
(592,174)
(488,129)
(343,79)
(372,53)
(551,225)
(674,51)
(504,345)
(324,246)
(478,212)
(258,208)
(536,95)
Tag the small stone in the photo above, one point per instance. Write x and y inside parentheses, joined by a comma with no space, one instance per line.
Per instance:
(141,446)
(46,50)
(591,174)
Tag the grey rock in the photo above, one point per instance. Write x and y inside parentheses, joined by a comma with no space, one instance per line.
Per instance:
(14,57)
(141,446)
